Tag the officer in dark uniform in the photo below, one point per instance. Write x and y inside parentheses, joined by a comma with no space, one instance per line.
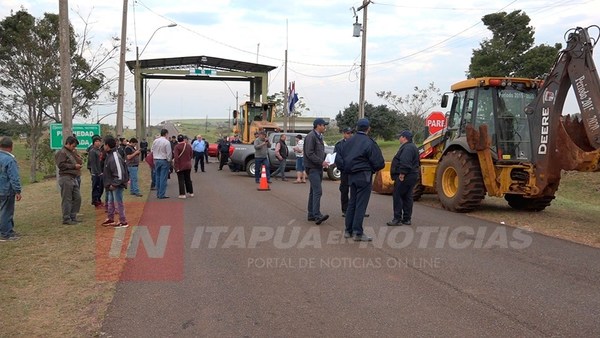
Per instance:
(223,148)
(344,187)
(405,173)
(360,159)
(235,167)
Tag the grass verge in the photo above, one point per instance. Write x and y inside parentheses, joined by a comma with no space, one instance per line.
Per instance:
(48,284)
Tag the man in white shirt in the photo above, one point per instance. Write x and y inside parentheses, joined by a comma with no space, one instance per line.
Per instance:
(161,151)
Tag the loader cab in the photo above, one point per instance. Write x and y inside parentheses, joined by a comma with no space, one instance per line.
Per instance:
(500,104)
(252,117)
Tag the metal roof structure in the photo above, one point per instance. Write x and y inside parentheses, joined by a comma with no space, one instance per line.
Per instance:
(198,68)
(201,61)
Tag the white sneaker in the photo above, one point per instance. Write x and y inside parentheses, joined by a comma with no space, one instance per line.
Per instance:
(182,196)
(191,195)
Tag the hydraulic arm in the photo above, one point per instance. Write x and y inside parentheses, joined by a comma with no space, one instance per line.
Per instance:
(561,143)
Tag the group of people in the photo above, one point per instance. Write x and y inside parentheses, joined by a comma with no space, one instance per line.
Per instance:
(112,165)
(358,157)
(261,147)
(180,155)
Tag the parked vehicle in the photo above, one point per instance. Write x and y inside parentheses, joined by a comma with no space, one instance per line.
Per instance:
(243,155)
(212,149)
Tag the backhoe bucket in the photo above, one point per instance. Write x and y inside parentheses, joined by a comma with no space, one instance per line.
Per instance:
(563,143)
(573,151)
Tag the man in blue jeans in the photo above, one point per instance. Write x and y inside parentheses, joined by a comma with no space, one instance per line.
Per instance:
(133,162)
(314,162)
(115,181)
(161,151)
(10,190)
(261,147)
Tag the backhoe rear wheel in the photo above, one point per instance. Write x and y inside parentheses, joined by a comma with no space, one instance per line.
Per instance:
(528,204)
(459,182)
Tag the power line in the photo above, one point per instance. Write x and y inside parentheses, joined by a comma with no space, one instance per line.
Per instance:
(466,8)
(561,3)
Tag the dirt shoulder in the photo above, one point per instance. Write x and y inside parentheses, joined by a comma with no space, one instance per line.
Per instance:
(574,215)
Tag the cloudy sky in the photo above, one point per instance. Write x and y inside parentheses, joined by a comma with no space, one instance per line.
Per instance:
(408,44)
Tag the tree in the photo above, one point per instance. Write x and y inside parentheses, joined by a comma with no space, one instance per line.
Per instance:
(30,75)
(12,128)
(28,58)
(88,80)
(384,122)
(510,51)
(280,110)
(538,61)
(413,108)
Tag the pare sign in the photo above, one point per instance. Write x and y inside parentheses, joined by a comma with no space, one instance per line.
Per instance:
(435,122)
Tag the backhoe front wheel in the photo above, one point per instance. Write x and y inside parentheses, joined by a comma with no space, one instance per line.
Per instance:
(459,182)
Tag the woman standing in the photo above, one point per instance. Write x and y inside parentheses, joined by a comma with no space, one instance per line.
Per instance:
(182,158)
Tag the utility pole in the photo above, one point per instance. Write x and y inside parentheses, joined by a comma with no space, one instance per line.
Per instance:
(285,83)
(363,58)
(66,98)
(229,118)
(123,50)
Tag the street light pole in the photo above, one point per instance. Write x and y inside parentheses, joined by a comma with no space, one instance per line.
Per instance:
(140,125)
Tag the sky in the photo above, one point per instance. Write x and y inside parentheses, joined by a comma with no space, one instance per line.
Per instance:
(409,44)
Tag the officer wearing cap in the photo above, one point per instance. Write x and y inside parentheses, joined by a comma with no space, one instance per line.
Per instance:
(360,159)
(314,162)
(405,173)
(344,187)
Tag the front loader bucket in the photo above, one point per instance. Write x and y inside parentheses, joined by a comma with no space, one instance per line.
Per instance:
(383,182)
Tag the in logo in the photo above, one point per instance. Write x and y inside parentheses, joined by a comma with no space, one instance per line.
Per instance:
(150,250)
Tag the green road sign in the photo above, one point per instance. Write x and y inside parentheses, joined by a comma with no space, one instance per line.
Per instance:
(203,71)
(83,132)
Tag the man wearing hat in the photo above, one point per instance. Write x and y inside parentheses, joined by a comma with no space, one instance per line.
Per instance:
(314,162)
(360,159)
(405,173)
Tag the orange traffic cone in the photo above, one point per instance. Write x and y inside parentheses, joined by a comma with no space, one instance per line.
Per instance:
(264,184)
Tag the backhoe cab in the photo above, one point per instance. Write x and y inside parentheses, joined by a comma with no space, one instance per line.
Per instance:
(507,136)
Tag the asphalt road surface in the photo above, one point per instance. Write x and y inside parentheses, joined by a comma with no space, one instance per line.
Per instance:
(245,263)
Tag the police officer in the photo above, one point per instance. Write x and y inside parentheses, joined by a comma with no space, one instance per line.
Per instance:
(223,148)
(344,187)
(360,159)
(405,173)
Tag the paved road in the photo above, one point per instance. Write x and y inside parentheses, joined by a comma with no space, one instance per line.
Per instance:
(253,267)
